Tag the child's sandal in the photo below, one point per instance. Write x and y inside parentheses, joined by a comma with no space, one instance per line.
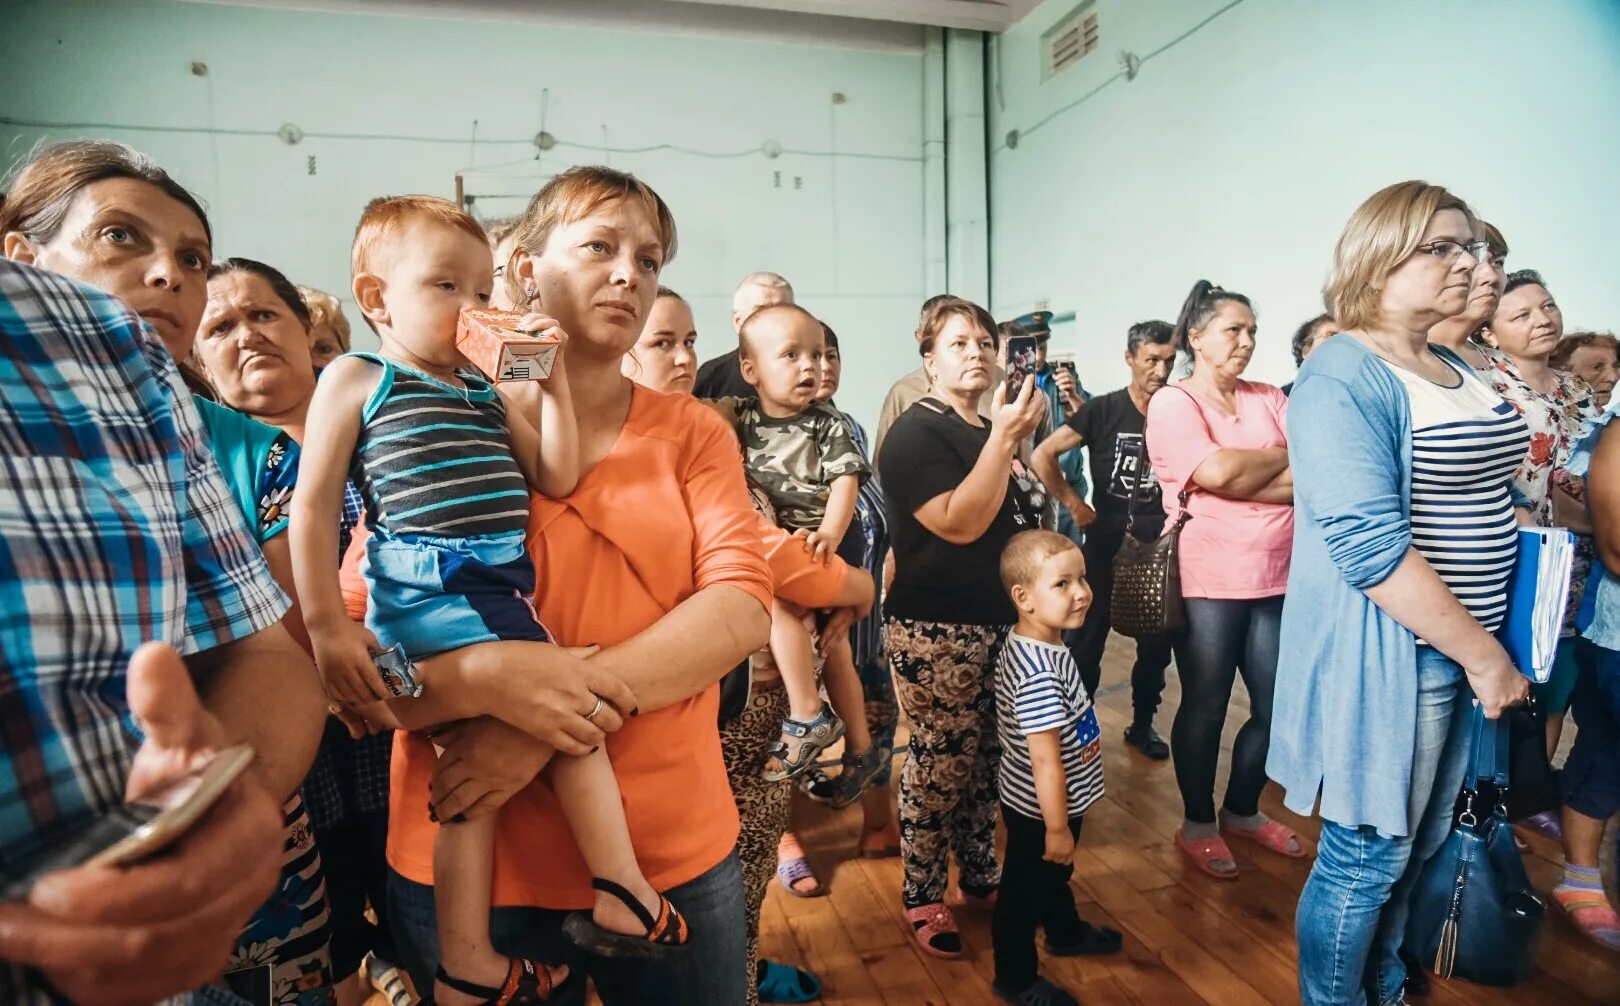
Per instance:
(859,771)
(802,743)
(666,933)
(526,982)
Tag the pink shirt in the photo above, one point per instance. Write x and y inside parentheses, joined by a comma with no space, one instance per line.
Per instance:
(1231,548)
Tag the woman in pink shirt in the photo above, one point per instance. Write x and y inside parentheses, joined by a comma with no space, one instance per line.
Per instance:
(1221,440)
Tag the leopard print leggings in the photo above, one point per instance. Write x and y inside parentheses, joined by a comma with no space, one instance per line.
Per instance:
(763,806)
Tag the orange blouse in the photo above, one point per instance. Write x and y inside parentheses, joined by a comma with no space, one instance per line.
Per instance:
(662,516)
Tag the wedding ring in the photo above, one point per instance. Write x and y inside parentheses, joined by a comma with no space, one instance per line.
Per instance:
(595,710)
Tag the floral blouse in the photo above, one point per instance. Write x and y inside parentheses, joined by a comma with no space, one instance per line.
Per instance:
(1557,421)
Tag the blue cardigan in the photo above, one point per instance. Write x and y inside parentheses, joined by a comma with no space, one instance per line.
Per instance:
(1344,718)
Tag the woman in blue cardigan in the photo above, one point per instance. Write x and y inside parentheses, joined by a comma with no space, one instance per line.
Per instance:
(1405,534)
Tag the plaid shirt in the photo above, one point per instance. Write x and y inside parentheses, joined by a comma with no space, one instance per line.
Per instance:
(116,528)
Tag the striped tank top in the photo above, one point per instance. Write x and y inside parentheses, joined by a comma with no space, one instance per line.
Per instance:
(1466,445)
(435,460)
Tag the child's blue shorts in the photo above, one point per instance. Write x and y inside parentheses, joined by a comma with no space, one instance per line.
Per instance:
(431,595)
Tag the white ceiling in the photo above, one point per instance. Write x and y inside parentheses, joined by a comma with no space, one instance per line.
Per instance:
(880,24)
(983,15)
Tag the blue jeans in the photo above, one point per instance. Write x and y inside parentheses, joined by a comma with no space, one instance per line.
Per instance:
(1353,911)
(711,972)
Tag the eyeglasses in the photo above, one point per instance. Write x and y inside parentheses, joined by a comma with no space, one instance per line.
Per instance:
(1449,251)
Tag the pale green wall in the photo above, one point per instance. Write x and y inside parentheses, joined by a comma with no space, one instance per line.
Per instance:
(851,239)
(1237,154)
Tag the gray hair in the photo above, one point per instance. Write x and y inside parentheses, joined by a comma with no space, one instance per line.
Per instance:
(765,279)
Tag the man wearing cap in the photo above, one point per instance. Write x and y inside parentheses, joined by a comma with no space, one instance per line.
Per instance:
(1064,397)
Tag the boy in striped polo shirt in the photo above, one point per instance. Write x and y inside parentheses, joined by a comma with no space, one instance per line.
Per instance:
(1051,768)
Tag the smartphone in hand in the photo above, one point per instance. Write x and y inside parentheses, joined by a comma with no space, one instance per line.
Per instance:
(134,831)
(1020,363)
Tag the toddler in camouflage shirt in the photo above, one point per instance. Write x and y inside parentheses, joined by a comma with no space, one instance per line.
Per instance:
(799,452)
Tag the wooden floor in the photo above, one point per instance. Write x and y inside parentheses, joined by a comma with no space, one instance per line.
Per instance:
(1188,938)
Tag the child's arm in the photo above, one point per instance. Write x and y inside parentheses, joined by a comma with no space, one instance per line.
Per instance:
(840,511)
(548,455)
(1051,788)
(842,467)
(342,647)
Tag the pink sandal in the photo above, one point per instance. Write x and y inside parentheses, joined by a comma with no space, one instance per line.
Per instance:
(935,929)
(1204,851)
(1275,837)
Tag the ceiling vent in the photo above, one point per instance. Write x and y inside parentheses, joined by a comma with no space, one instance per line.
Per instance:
(1070,40)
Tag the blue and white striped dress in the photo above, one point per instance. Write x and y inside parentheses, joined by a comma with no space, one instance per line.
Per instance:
(1466,445)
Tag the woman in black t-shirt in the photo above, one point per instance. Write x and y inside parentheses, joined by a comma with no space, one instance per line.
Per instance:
(956,494)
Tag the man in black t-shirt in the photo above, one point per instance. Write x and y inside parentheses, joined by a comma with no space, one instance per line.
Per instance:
(1111,427)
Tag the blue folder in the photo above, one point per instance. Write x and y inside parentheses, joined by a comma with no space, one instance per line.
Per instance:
(1538,590)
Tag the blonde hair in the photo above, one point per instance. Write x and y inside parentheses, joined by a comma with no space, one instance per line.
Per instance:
(1381,234)
(324,309)
(1022,557)
(577,193)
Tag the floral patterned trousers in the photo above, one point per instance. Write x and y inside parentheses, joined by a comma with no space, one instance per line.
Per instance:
(944,676)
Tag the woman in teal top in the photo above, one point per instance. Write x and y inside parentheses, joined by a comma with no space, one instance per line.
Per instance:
(1379,649)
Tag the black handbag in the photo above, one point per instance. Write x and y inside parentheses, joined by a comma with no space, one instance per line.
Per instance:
(1147,574)
(1535,782)
(1474,914)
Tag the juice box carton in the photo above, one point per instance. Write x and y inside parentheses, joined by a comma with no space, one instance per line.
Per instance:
(502,353)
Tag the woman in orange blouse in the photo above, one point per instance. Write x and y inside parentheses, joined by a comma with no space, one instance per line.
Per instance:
(656,559)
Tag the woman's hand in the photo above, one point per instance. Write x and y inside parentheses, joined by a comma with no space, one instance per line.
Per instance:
(1498,686)
(482,764)
(1014,421)
(546,691)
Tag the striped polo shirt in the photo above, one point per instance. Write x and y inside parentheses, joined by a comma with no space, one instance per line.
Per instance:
(435,460)
(1038,689)
(1466,444)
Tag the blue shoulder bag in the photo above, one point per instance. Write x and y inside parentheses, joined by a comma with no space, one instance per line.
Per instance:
(1474,914)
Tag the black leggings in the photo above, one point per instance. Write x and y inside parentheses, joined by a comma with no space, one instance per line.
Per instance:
(1224,638)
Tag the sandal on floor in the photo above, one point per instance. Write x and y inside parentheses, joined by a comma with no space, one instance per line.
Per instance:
(1592,914)
(1204,851)
(802,743)
(859,771)
(526,982)
(1273,836)
(783,983)
(666,933)
(1041,993)
(935,930)
(1094,942)
(793,869)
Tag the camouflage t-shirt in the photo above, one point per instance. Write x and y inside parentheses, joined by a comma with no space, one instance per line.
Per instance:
(795,460)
